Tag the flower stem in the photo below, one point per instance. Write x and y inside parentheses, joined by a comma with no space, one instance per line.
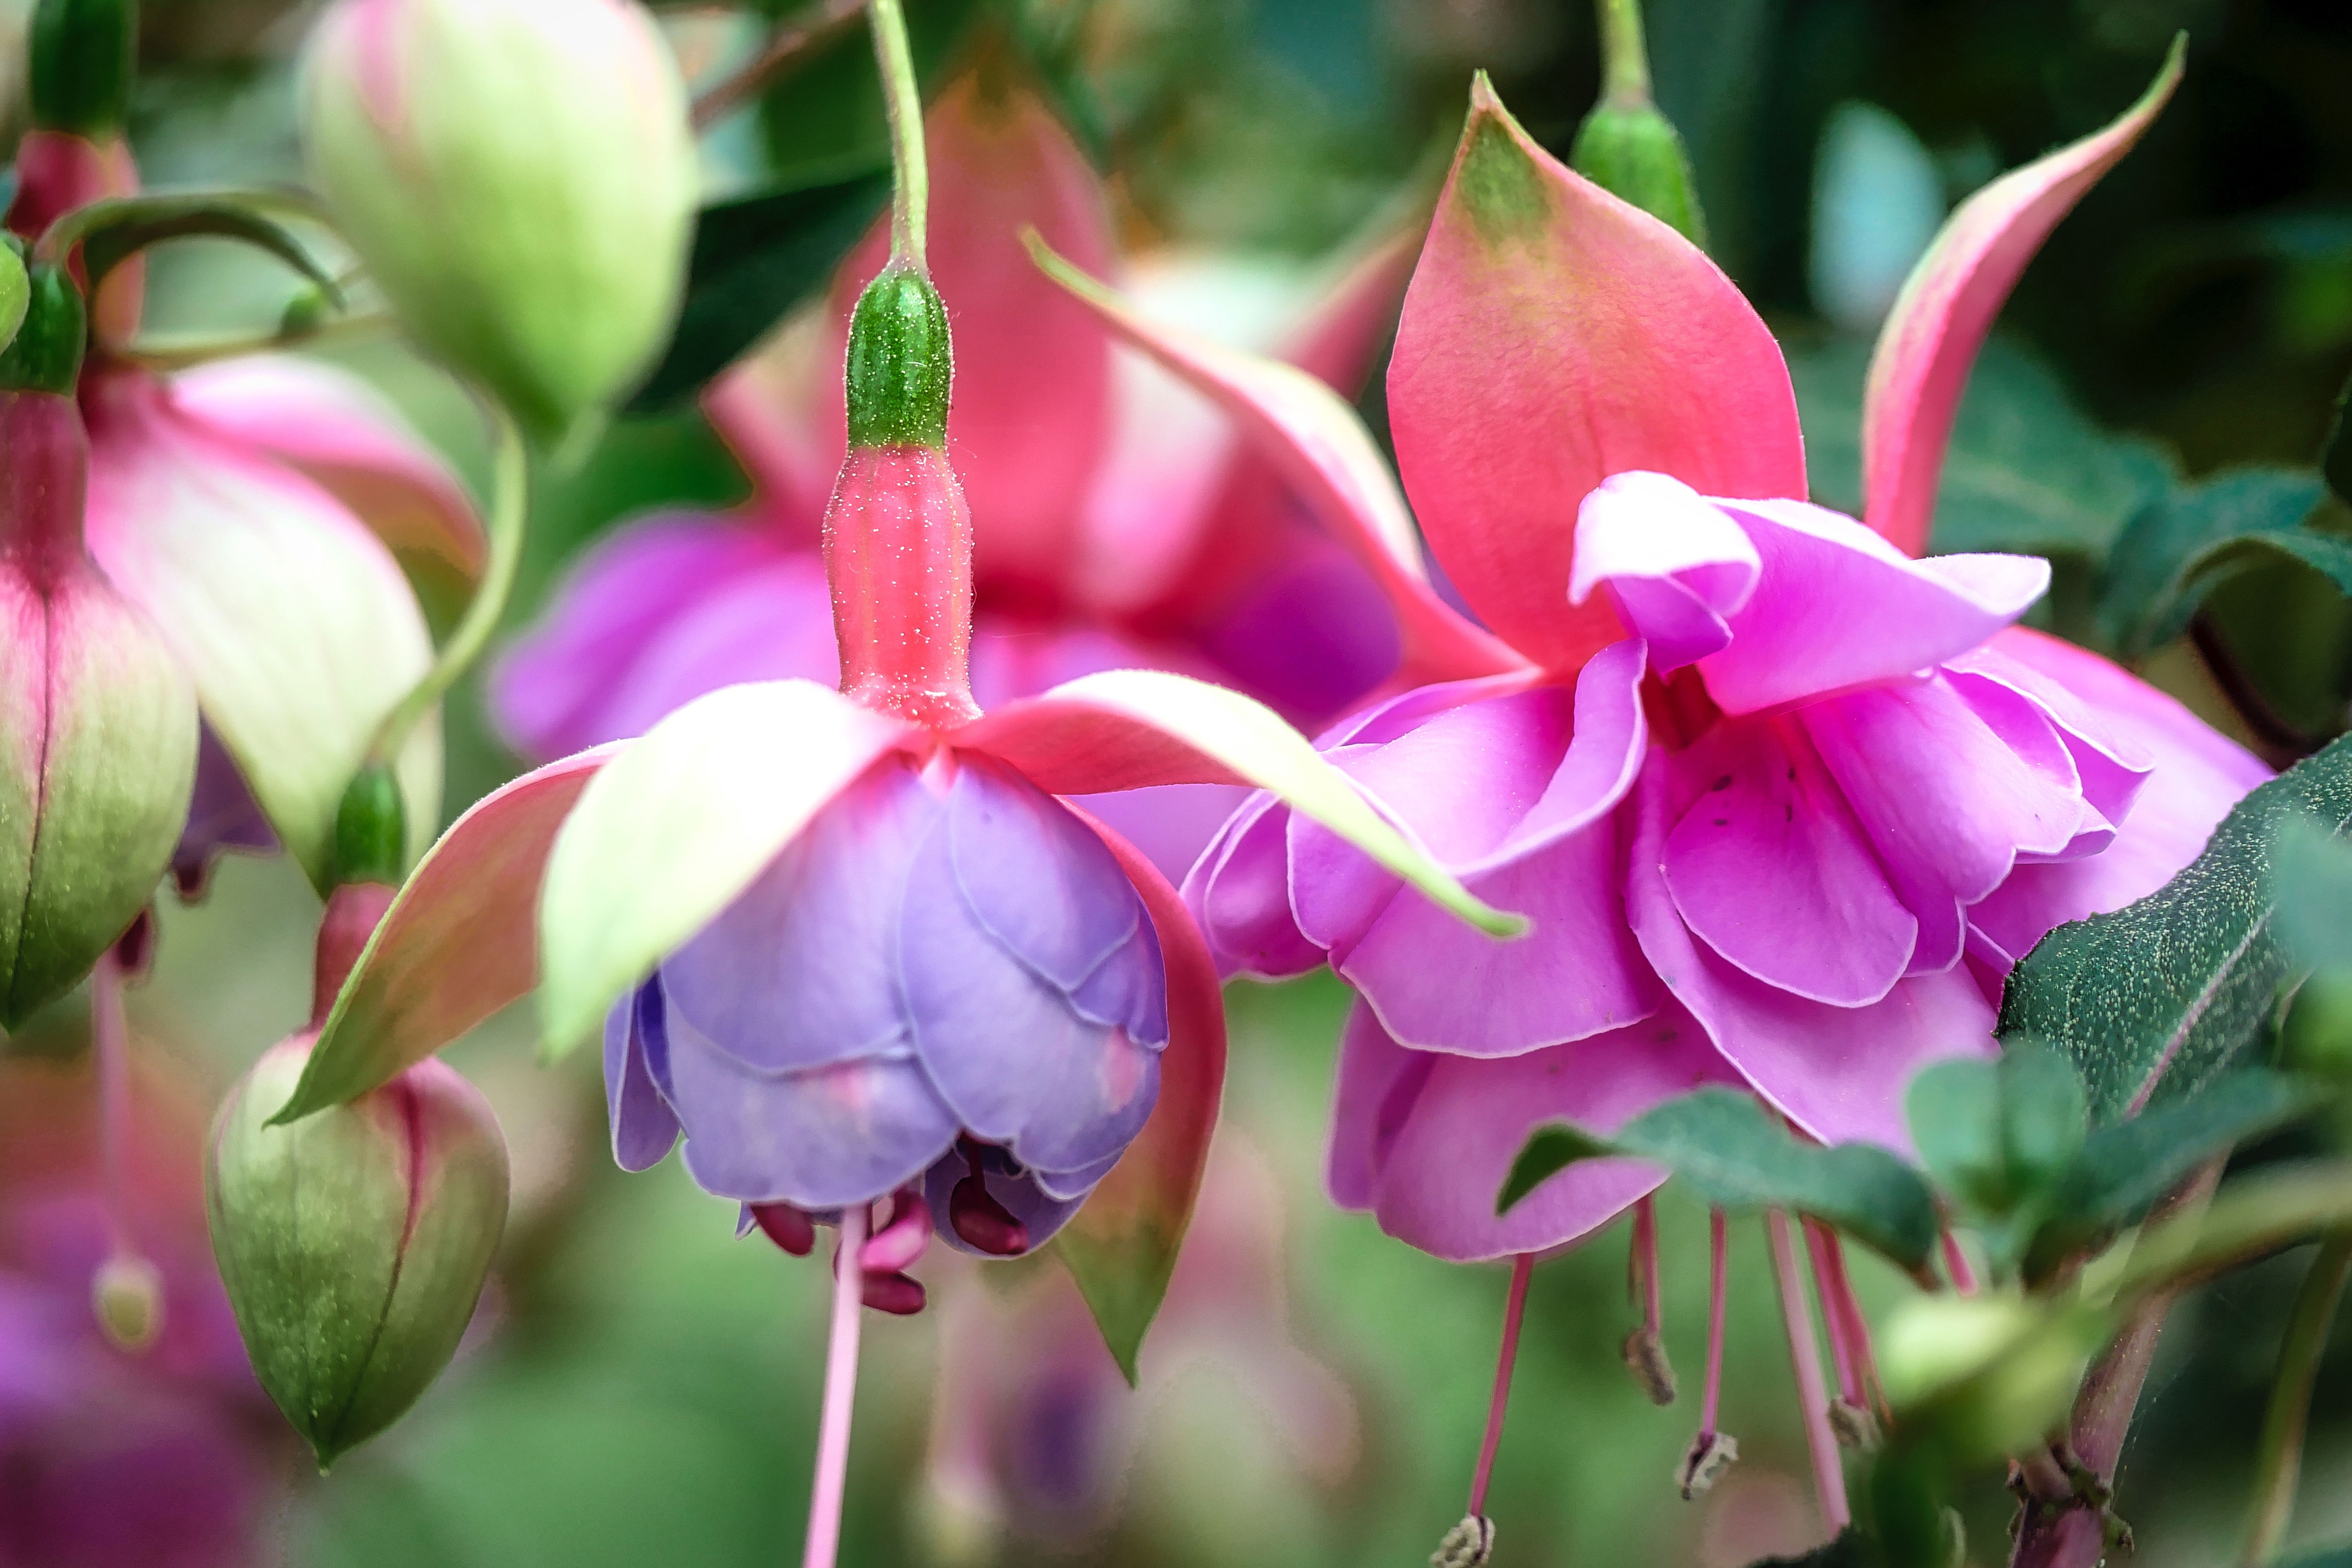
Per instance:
(509,506)
(2278,1462)
(166,354)
(1515,1308)
(791,43)
(840,1394)
(1626,58)
(1805,1357)
(902,95)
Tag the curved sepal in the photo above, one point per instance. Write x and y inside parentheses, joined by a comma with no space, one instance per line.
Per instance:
(1121,1246)
(457,944)
(679,824)
(1316,443)
(1948,304)
(1553,336)
(294,621)
(1130,729)
(341,433)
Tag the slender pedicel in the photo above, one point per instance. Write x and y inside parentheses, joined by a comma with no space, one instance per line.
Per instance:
(1804,1357)
(1646,1347)
(1711,1451)
(840,1394)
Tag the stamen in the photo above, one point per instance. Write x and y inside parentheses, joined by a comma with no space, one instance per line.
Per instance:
(978,1218)
(126,1293)
(1646,1347)
(1804,1358)
(899,1243)
(1832,1318)
(788,1226)
(1711,1452)
(1870,1396)
(1514,1309)
(1956,1263)
(1467,1545)
(840,1395)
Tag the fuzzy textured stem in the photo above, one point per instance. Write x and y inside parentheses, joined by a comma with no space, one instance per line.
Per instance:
(787,47)
(1514,1309)
(902,94)
(840,1394)
(1805,1357)
(509,509)
(1625,58)
(2278,1462)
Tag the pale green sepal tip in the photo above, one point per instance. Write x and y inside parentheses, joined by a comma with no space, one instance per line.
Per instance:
(16,294)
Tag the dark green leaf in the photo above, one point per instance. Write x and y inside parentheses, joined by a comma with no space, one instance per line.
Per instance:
(2158,999)
(2026,469)
(823,119)
(1998,1134)
(1736,1154)
(2181,547)
(2126,1167)
(755,259)
(111,232)
(2321,1557)
(2335,458)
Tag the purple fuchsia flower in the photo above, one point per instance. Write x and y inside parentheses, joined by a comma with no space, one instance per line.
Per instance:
(258,513)
(1782,801)
(847,944)
(1117,524)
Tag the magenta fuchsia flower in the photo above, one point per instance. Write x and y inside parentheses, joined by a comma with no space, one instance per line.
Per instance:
(1116,524)
(256,512)
(1782,803)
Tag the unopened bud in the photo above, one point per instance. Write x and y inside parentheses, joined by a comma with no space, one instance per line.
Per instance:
(371,830)
(901,363)
(1645,1358)
(45,356)
(519,178)
(1632,152)
(353,1242)
(1467,1545)
(1710,1455)
(126,1296)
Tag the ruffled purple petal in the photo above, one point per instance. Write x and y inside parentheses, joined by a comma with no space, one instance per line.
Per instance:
(1442,1138)
(1674,563)
(635,1051)
(1239,893)
(801,971)
(1838,607)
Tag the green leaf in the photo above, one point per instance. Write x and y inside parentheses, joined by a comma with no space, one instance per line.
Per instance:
(2160,998)
(2181,547)
(1736,1154)
(2026,470)
(824,118)
(2322,1557)
(2311,877)
(1999,1134)
(2335,458)
(754,260)
(2126,1167)
(113,231)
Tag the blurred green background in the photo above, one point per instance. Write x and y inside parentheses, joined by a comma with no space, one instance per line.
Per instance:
(642,1388)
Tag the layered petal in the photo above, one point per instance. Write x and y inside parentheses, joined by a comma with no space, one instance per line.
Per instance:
(636,1054)
(1425,1141)
(1948,303)
(1554,336)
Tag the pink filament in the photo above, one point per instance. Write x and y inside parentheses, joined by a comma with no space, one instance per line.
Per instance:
(1514,1309)
(1645,1264)
(1964,1278)
(840,1394)
(1804,1357)
(1718,1245)
(1827,1280)
(1857,1326)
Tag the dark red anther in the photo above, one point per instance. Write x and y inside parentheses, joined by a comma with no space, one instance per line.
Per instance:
(788,1228)
(900,1295)
(982,1222)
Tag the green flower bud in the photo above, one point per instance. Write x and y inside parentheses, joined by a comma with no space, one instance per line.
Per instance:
(353,1242)
(45,356)
(81,57)
(519,178)
(901,363)
(1630,151)
(371,829)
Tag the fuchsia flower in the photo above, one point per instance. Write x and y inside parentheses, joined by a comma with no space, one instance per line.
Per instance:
(256,512)
(1114,523)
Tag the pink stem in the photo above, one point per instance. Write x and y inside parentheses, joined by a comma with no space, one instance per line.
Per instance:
(1956,1263)
(1805,1356)
(1718,1247)
(840,1394)
(1513,1310)
(109,1045)
(1857,1326)
(1833,1314)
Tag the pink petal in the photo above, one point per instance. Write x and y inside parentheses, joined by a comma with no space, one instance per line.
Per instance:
(1122,1245)
(1948,304)
(1838,607)
(341,433)
(1837,1073)
(1240,891)
(1675,565)
(779,410)
(2198,776)
(1316,444)
(1554,336)
(1425,1141)
(1767,865)
(458,943)
(561,686)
